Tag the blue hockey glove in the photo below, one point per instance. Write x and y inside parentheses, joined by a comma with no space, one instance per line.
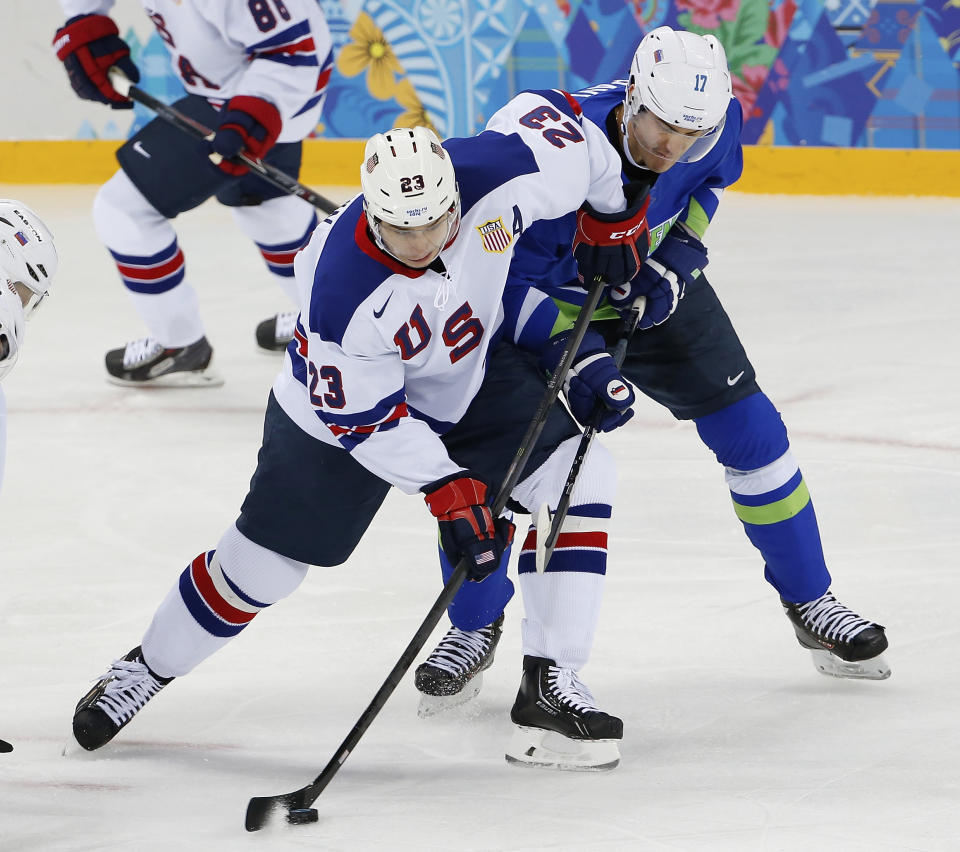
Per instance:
(677,262)
(594,384)
(467,527)
(612,245)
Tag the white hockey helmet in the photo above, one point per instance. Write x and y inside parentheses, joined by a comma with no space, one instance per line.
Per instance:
(27,253)
(682,79)
(408,181)
(12,322)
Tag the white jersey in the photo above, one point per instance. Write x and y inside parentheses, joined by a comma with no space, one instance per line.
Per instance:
(387,358)
(279,51)
(3,432)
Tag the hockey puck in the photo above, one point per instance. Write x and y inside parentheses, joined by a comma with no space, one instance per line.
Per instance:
(301,816)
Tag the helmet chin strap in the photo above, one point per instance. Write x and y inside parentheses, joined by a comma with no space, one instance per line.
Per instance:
(625,115)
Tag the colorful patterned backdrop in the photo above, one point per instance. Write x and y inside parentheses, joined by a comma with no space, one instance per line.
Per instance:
(857,73)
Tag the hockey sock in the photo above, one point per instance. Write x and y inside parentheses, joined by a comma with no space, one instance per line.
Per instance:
(280,227)
(562,605)
(769,495)
(151,265)
(216,597)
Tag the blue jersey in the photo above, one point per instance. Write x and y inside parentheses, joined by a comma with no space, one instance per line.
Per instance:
(687,193)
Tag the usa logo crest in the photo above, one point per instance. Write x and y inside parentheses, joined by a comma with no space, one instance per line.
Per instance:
(494,236)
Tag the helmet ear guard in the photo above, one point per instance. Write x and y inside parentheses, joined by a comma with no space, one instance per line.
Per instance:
(27,253)
(12,323)
(683,80)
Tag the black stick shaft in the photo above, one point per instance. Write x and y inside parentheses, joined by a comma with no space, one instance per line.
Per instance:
(270,174)
(260,808)
(563,506)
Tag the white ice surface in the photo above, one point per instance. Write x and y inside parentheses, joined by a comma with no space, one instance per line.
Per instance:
(849,309)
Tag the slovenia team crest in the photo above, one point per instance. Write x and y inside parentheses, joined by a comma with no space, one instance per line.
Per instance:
(495,237)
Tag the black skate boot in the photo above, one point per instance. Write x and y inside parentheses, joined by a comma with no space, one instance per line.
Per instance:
(842,643)
(558,723)
(453,673)
(145,363)
(275,334)
(114,700)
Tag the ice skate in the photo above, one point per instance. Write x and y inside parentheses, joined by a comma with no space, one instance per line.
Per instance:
(841,642)
(558,723)
(275,334)
(453,673)
(145,363)
(114,700)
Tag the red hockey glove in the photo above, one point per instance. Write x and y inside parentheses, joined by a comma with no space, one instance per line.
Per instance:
(467,527)
(249,125)
(88,45)
(612,245)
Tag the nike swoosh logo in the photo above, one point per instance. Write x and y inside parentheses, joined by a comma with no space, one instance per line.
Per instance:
(379,313)
(735,379)
(138,147)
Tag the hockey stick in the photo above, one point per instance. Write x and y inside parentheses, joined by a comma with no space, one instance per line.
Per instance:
(297,803)
(269,173)
(545,548)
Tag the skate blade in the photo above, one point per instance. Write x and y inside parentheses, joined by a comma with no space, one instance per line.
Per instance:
(437,705)
(829,664)
(550,750)
(182,379)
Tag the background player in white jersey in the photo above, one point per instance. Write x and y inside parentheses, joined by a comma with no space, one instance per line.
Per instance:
(676,121)
(28,262)
(403,372)
(257,72)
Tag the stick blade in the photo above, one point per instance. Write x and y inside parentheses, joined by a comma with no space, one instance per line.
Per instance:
(543,522)
(260,809)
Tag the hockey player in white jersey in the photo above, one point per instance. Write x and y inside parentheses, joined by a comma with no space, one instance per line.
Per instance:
(28,262)
(257,73)
(404,371)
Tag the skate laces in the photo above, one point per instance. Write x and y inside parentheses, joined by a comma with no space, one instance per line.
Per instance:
(140,350)
(285,324)
(127,687)
(830,618)
(460,649)
(567,686)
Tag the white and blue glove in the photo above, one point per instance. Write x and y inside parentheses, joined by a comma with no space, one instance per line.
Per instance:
(594,387)
(663,278)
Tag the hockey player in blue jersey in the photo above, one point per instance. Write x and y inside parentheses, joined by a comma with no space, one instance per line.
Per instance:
(404,372)
(676,122)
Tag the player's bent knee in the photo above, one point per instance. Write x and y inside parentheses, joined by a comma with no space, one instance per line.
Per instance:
(747,435)
(597,482)
(120,212)
(260,573)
